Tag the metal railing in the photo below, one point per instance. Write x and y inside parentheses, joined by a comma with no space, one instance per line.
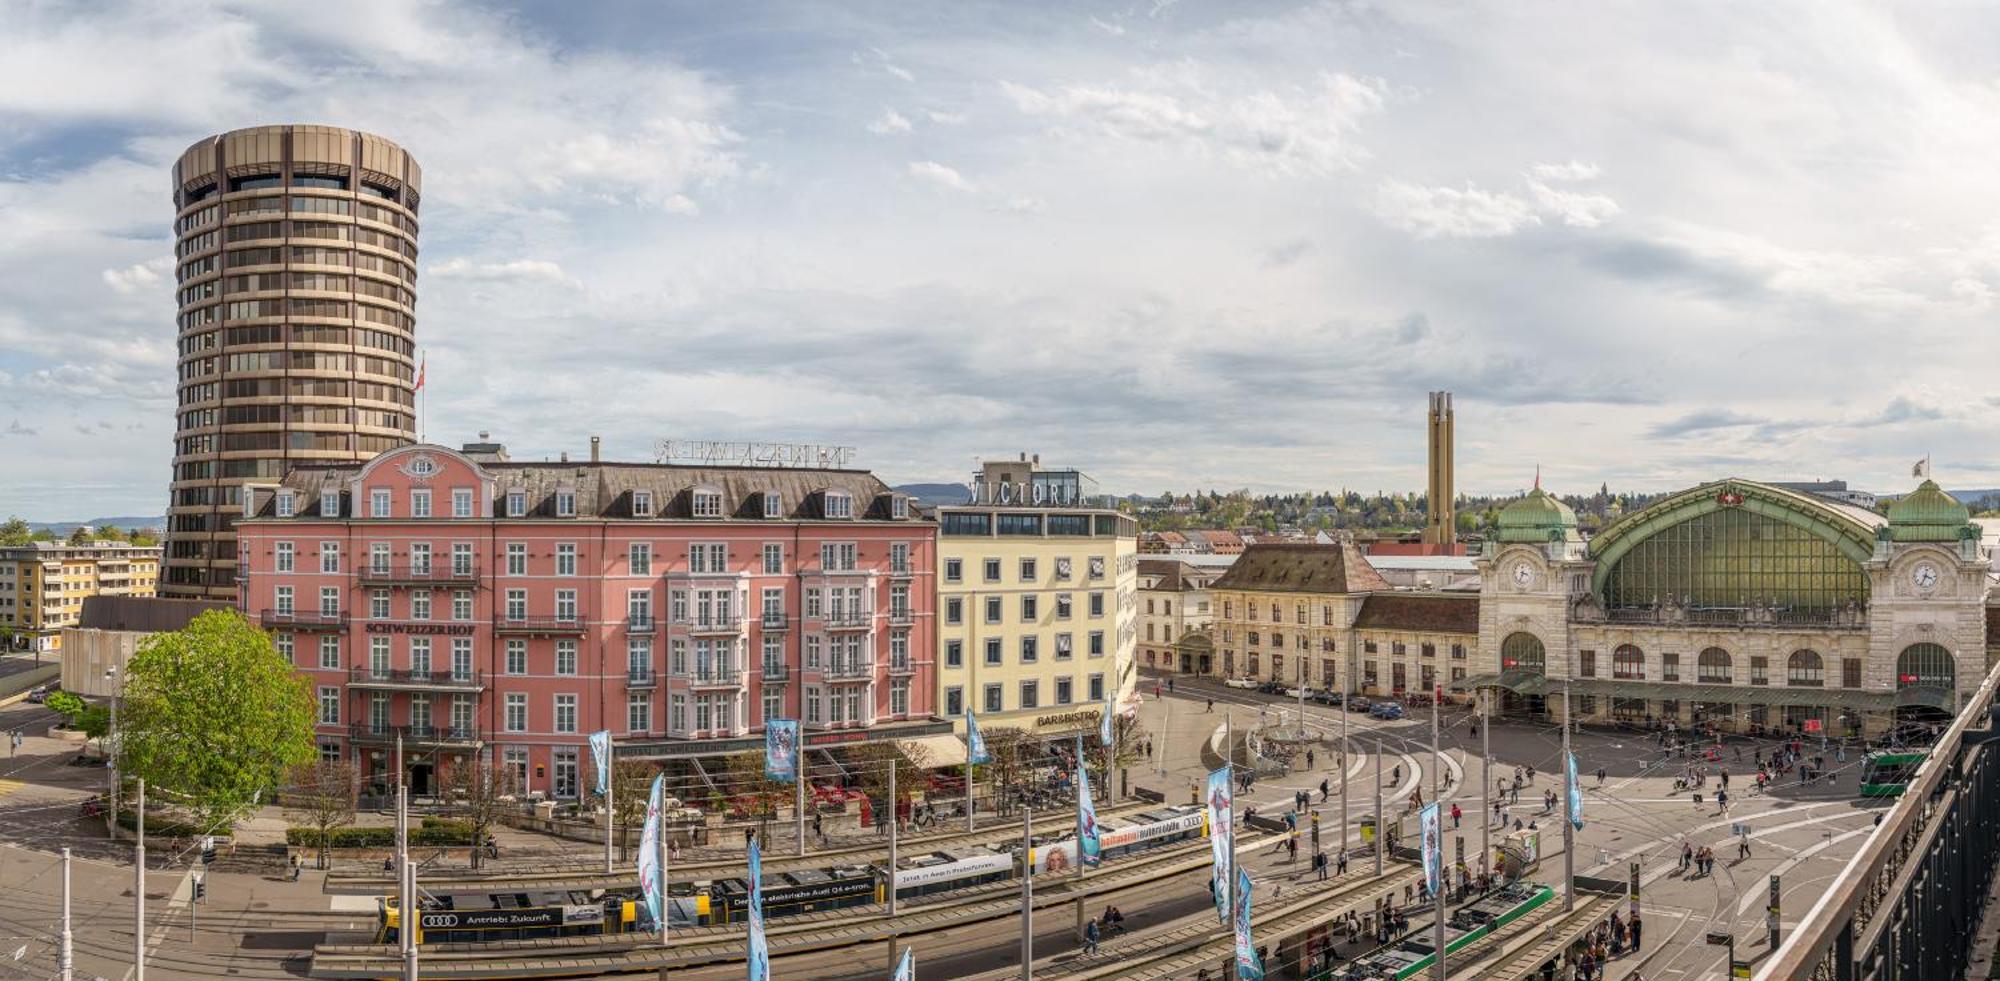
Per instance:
(638,676)
(364,677)
(435,573)
(773,671)
(1907,905)
(847,620)
(710,624)
(302,619)
(775,621)
(371,733)
(528,624)
(844,669)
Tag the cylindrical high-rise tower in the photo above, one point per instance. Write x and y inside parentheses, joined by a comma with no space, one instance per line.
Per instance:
(296,252)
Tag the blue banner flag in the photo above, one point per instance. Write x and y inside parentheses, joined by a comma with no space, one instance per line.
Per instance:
(1575,791)
(1104,723)
(1221,837)
(650,878)
(1433,853)
(1089,850)
(759,957)
(1249,967)
(906,969)
(600,754)
(975,744)
(781,749)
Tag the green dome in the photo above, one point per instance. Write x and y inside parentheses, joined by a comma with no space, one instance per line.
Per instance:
(1928,514)
(1536,518)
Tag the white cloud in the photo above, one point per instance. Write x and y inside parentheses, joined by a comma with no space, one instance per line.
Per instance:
(512,271)
(1574,170)
(1572,207)
(890,121)
(1022,204)
(943,118)
(140,275)
(1447,212)
(932,172)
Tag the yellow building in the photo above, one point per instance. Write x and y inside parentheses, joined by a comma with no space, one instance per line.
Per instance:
(1320,615)
(43,585)
(1038,602)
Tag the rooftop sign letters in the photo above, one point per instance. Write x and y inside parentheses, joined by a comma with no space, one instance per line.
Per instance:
(453,629)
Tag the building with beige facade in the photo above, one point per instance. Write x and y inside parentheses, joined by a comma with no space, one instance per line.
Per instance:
(1173,603)
(295,251)
(43,585)
(1037,599)
(1738,605)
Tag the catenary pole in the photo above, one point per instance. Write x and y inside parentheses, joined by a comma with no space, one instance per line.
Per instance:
(1485,778)
(1569,826)
(1027,893)
(893,822)
(1438,969)
(1380,834)
(1345,711)
(65,951)
(610,817)
(412,921)
(799,788)
(139,889)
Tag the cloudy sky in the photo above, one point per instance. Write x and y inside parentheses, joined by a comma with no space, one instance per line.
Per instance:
(1174,243)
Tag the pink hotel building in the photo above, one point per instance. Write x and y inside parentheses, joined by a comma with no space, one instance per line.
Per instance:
(476,605)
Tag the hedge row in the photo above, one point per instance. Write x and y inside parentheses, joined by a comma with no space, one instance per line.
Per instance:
(433,831)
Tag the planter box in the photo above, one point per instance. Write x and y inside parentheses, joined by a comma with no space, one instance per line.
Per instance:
(68,735)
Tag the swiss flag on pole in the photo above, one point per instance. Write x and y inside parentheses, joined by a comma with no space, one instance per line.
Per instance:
(421,365)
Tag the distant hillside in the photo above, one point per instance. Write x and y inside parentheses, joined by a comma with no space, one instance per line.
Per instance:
(124,521)
(934,494)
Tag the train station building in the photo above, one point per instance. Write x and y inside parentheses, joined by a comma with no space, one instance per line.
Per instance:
(1737,604)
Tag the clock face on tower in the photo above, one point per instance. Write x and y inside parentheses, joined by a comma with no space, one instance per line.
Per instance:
(1522,573)
(1924,576)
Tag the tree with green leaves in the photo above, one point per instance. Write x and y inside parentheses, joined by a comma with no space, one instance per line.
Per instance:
(214,717)
(481,792)
(81,535)
(631,791)
(322,798)
(15,531)
(759,796)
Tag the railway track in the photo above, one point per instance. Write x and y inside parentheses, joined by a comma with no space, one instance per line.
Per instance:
(1556,933)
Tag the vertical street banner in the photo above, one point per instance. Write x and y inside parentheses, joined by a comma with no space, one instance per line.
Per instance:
(1104,719)
(759,957)
(1088,849)
(975,744)
(600,754)
(1221,837)
(906,969)
(1575,791)
(649,853)
(1427,826)
(1248,966)
(781,749)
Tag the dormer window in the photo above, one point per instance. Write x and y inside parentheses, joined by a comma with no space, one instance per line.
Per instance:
(642,504)
(286,503)
(839,505)
(566,502)
(517,502)
(774,505)
(707,504)
(899,507)
(329,502)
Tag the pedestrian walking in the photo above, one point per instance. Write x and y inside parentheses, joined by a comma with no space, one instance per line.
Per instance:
(1211,706)
(1319,863)
(1322,791)
(1341,864)
(1454,817)
(1309,759)
(1687,855)
(1090,937)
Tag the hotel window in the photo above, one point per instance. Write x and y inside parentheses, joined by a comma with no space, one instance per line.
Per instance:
(992,570)
(954,700)
(1097,606)
(517,558)
(1457,651)
(378,657)
(1427,649)
(899,557)
(283,561)
(1063,604)
(420,655)
(678,603)
(329,652)
(774,706)
(639,608)
(774,506)
(1628,662)
(1097,643)
(284,504)
(461,659)
(1805,668)
(954,570)
(517,503)
(566,604)
(517,656)
(378,502)
(378,605)
(1027,570)
(812,706)
(639,556)
(517,712)
(1030,608)
(707,504)
(712,557)
(566,657)
(642,504)
(812,652)
(565,503)
(420,558)
(517,604)
(1760,670)
(992,652)
(1850,672)
(839,505)
(837,557)
(420,503)
(1030,649)
(992,609)
(1065,691)
(677,713)
(566,559)
(1063,569)
(1097,567)
(1064,649)
(954,610)
(329,706)
(283,642)
(774,606)
(954,653)
(1031,694)
(774,654)
(1670,667)
(638,711)
(420,604)
(1586,664)
(461,502)
(461,604)
(329,601)
(677,657)
(991,695)
(899,693)
(1097,695)
(774,559)
(329,502)
(461,559)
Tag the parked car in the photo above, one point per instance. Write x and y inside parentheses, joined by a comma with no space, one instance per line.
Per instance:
(1272,688)
(1326,697)
(1359,704)
(1385,710)
(38,694)
(1241,682)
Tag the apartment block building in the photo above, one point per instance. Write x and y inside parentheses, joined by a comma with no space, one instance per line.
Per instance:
(1037,598)
(472,604)
(1174,603)
(43,584)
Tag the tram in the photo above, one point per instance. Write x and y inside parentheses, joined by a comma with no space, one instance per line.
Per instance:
(1415,953)
(1887,774)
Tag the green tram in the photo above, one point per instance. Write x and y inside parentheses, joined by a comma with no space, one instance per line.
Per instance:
(1412,956)
(1887,774)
